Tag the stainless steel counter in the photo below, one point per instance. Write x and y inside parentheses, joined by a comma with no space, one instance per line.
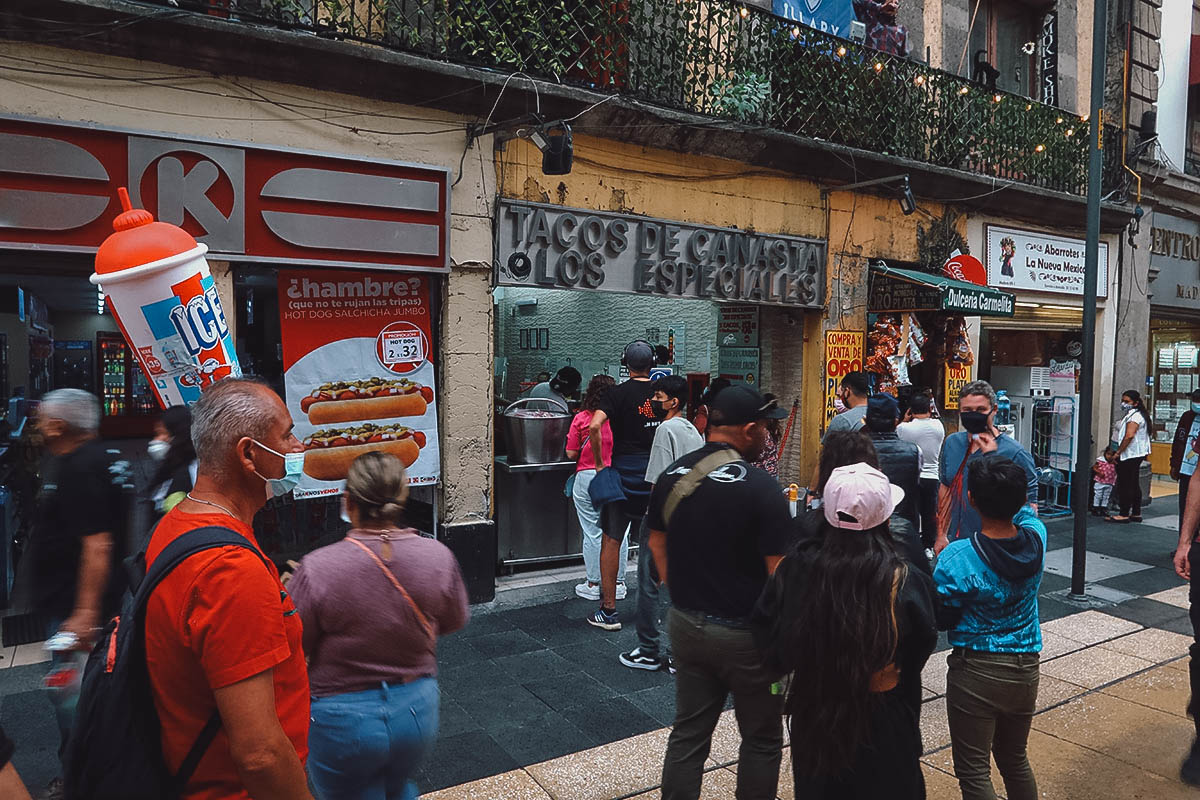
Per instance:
(535,521)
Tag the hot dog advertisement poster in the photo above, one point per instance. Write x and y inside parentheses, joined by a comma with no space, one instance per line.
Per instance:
(358,372)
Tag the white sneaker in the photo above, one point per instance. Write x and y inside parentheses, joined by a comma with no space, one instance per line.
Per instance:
(591,591)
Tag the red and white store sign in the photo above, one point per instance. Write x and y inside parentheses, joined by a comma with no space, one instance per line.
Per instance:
(58,191)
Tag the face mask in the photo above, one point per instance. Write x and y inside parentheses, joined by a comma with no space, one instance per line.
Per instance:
(293,467)
(838,405)
(1196,407)
(1127,406)
(158,449)
(974,421)
(346,514)
(657,407)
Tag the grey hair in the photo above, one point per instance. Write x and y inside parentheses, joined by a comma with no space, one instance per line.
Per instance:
(227,411)
(80,410)
(982,388)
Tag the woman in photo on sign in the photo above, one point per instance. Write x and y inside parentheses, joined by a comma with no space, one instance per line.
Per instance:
(1008,251)
(373,607)
(1131,438)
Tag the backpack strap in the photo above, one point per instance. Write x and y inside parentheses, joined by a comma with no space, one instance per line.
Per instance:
(690,482)
(173,555)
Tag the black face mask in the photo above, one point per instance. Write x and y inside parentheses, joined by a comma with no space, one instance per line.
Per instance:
(657,407)
(974,421)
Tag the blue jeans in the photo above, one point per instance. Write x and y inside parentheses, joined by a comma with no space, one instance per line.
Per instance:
(368,745)
(647,603)
(63,700)
(589,522)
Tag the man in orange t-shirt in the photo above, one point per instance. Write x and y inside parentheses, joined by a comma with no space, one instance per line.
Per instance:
(221,631)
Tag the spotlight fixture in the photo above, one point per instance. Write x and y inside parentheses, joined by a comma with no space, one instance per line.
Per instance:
(908,203)
(558,152)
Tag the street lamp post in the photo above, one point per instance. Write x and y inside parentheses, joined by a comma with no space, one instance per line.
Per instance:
(1083,461)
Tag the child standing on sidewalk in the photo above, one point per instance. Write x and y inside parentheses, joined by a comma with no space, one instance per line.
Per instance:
(1104,473)
(987,586)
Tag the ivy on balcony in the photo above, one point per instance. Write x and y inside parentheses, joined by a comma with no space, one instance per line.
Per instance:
(725,60)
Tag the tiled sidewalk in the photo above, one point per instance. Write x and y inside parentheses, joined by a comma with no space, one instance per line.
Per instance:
(1111,724)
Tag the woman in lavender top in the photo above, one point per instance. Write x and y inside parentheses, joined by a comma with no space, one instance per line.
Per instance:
(373,606)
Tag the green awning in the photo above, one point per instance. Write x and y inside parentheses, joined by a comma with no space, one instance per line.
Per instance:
(898,290)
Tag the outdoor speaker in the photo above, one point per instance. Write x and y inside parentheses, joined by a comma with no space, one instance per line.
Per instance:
(558,155)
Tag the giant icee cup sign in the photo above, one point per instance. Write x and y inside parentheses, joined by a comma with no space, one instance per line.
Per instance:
(162,294)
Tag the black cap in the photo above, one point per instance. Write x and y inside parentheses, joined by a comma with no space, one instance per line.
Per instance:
(741,405)
(638,355)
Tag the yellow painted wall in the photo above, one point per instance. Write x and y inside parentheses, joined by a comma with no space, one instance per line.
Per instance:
(612,176)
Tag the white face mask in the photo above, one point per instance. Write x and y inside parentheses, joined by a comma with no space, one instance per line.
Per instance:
(293,468)
(1127,406)
(345,513)
(158,449)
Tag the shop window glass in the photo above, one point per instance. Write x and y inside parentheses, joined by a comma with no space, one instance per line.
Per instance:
(1175,367)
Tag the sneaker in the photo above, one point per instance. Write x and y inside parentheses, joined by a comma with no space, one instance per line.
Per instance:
(1189,773)
(608,620)
(670,665)
(591,591)
(635,660)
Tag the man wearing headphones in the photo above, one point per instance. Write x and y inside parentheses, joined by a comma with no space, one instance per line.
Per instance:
(630,414)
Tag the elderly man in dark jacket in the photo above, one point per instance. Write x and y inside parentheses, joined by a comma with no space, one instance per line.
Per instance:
(898,459)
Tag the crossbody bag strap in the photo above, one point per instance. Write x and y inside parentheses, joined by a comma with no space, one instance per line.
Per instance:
(199,747)
(684,487)
(424,620)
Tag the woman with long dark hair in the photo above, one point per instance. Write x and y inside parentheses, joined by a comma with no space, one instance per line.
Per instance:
(854,623)
(1132,438)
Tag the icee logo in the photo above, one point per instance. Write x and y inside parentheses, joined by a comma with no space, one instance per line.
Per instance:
(201,321)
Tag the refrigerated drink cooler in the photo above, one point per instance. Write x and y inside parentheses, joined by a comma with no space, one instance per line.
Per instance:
(127,402)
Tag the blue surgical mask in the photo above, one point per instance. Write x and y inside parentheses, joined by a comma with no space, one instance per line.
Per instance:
(1196,407)
(345,515)
(293,468)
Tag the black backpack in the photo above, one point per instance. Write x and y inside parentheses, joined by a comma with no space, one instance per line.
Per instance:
(114,752)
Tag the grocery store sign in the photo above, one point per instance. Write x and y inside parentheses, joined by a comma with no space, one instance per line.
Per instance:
(1040,262)
(563,248)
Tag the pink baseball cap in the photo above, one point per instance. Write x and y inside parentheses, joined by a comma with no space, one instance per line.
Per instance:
(859,497)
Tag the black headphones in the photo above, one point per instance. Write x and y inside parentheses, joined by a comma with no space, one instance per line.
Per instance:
(625,352)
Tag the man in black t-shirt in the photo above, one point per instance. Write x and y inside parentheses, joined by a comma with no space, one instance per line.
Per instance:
(715,546)
(79,537)
(630,415)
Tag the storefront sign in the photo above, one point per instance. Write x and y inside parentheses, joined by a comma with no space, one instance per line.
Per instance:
(957,376)
(1175,255)
(1048,74)
(737,326)
(890,296)
(245,202)
(358,372)
(844,352)
(901,290)
(1040,262)
(739,365)
(554,247)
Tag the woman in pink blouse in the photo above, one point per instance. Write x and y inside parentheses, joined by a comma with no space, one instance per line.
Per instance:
(585,470)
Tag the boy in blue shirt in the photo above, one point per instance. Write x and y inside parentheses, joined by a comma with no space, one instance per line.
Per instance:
(987,588)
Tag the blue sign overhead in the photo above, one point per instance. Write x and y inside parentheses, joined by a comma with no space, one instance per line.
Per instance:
(831,16)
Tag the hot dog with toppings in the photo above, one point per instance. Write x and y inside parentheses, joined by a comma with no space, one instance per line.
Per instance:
(330,452)
(372,398)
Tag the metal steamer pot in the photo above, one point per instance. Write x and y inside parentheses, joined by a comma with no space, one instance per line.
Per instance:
(540,439)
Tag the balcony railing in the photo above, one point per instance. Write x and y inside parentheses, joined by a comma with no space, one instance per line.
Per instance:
(725,60)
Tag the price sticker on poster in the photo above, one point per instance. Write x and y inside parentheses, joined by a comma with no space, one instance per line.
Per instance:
(358,372)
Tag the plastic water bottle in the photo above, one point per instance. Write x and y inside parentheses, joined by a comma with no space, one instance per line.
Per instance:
(1003,408)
